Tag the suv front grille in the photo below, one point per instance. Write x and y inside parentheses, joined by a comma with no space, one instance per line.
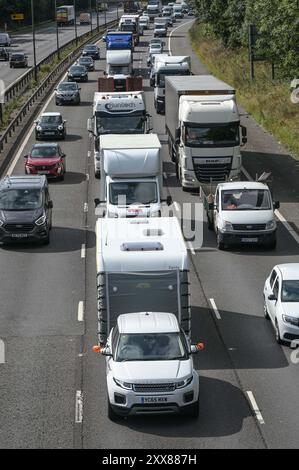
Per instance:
(212,172)
(45,167)
(249,227)
(154,388)
(16,228)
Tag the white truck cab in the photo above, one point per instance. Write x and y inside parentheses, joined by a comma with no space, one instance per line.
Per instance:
(149,366)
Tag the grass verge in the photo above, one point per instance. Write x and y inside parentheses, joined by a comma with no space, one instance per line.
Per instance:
(267,100)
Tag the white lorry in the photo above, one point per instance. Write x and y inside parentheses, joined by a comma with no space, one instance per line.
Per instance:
(241,212)
(131,176)
(117,113)
(165,66)
(204,131)
(142,265)
(84,18)
(149,367)
(119,66)
(65,15)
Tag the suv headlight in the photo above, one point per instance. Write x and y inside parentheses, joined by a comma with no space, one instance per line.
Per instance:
(38,128)
(292,320)
(125,385)
(41,220)
(227,226)
(184,383)
(60,128)
(271,225)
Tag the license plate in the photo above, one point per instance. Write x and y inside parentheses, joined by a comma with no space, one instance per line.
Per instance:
(50,133)
(44,172)
(149,400)
(19,235)
(249,240)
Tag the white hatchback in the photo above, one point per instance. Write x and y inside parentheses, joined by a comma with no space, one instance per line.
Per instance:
(281,302)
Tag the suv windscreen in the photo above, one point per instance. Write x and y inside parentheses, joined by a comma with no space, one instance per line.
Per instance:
(67,87)
(290,291)
(17,56)
(20,199)
(43,152)
(77,69)
(151,347)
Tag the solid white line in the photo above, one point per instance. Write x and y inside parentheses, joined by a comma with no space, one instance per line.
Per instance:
(176,206)
(81,311)
(175,29)
(278,214)
(190,246)
(83,250)
(79,407)
(85,207)
(255,408)
(216,311)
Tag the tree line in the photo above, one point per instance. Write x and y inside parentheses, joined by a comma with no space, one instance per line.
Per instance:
(277,22)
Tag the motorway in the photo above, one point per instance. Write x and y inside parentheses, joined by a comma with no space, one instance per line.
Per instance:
(53,388)
(46,43)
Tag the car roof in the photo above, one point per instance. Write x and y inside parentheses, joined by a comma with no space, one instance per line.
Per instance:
(289,271)
(51,114)
(148,322)
(45,144)
(25,181)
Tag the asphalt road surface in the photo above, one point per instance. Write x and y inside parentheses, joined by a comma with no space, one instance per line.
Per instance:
(46,43)
(49,361)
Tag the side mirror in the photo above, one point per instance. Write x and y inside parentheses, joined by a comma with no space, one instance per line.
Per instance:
(178,134)
(105,351)
(169,200)
(276,204)
(26,156)
(149,130)
(96,202)
(50,205)
(63,155)
(195,348)
(211,206)
(177,140)
(64,121)
(272,297)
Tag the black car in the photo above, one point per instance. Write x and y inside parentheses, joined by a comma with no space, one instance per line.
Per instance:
(87,62)
(91,50)
(18,59)
(25,209)
(4,54)
(67,92)
(50,125)
(77,73)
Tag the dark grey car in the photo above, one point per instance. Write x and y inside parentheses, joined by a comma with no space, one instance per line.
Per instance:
(91,50)
(87,62)
(50,125)
(67,93)
(77,73)
(25,209)
(18,59)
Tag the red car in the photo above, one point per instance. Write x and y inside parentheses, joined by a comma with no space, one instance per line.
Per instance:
(46,159)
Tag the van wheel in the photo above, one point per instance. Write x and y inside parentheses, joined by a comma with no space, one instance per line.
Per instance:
(220,244)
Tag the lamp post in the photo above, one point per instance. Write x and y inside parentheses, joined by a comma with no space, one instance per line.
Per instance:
(90,12)
(98,23)
(75,22)
(33,39)
(57,32)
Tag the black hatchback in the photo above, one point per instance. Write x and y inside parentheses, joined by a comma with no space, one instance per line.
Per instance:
(25,209)
(18,59)
(91,50)
(77,73)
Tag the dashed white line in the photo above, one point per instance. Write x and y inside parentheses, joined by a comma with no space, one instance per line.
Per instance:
(81,311)
(190,246)
(175,29)
(88,154)
(85,207)
(176,206)
(87,176)
(255,408)
(216,311)
(278,214)
(83,250)
(79,407)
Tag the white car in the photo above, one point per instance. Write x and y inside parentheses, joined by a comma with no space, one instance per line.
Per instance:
(144,21)
(149,366)
(281,301)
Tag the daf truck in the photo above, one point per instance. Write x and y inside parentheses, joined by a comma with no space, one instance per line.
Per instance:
(204,131)
(142,266)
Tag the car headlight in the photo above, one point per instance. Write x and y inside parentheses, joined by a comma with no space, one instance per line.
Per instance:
(70,75)
(227,226)
(60,128)
(41,220)
(38,128)
(271,225)
(292,320)
(156,214)
(184,383)
(1,223)
(125,385)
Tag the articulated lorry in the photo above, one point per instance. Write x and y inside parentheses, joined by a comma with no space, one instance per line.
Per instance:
(131,176)
(204,131)
(166,65)
(142,266)
(117,113)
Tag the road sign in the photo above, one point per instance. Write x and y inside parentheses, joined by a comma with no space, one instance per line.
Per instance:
(17,16)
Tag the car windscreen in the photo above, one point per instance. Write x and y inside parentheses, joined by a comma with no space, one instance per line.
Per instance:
(151,347)
(290,291)
(90,48)
(50,120)
(12,199)
(126,193)
(213,135)
(43,152)
(77,69)
(120,124)
(67,87)
(17,56)
(245,199)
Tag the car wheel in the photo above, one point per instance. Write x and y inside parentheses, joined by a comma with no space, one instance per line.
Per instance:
(266,314)
(111,414)
(61,178)
(220,244)
(277,333)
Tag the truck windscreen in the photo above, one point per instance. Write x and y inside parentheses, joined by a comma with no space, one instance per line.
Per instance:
(215,135)
(118,70)
(131,192)
(120,123)
(128,27)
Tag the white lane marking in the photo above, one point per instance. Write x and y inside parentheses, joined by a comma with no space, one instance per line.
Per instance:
(83,250)
(278,214)
(79,407)
(2,351)
(88,154)
(87,176)
(175,29)
(176,206)
(216,311)
(81,311)
(255,408)
(165,175)
(25,141)
(85,207)
(190,246)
